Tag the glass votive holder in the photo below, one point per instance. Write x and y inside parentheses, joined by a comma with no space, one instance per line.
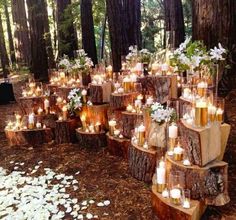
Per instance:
(186,199)
(220,105)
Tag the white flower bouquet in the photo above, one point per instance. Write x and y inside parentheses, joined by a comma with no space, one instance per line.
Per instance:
(135,55)
(161,114)
(64,63)
(75,100)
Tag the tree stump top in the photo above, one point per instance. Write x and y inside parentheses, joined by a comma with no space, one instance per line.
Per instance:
(79,130)
(150,150)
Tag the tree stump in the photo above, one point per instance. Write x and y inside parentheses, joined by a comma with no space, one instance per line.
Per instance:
(160,87)
(100,94)
(91,140)
(142,162)
(202,145)
(165,210)
(209,183)
(117,146)
(120,101)
(33,137)
(65,131)
(129,121)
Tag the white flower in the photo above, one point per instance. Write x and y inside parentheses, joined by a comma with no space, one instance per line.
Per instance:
(217,53)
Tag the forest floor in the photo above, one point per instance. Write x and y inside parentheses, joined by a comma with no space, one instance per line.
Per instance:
(104,177)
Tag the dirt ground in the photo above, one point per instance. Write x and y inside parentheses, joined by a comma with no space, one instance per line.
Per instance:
(105,177)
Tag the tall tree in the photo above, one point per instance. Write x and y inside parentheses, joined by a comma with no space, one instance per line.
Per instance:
(39,64)
(47,35)
(123,16)
(67,37)
(214,21)
(9,32)
(21,32)
(87,25)
(174,22)
(3,51)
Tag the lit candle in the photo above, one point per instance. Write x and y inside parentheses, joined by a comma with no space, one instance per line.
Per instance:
(202,88)
(175,195)
(145,145)
(40,111)
(116,132)
(178,153)
(62,75)
(186,162)
(98,127)
(9,125)
(46,106)
(31,121)
(59,100)
(186,204)
(120,90)
(133,79)
(18,117)
(84,93)
(24,93)
(186,93)
(161,177)
(139,68)
(219,115)
(201,113)
(127,84)
(109,71)
(91,128)
(141,135)
(44,126)
(38,125)
(212,112)
(149,101)
(112,124)
(165,193)
(38,91)
(140,97)
(155,68)
(129,108)
(83,120)
(64,112)
(138,105)
(173,134)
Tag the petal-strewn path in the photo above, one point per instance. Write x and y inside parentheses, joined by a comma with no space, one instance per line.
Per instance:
(103,177)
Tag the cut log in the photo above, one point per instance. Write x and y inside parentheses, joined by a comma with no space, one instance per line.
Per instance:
(129,120)
(29,104)
(100,94)
(65,131)
(121,101)
(209,183)
(202,145)
(33,137)
(91,140)
(165,210)
(117,146)
(142,162)
(161,88)
(225,130)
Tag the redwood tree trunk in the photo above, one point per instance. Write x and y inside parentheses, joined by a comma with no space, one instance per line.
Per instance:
(3,52)
(10,38)
(67,37)
(51,58)
(174,22)
(214,21)
(124,26)
(21,33)
(88,37)
(39,65)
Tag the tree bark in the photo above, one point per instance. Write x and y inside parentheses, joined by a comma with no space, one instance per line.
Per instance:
(102,40)
(51,58)
(124,26)
(174,22)
(87,26)
(3,51)
(67,37)
(9,32)
(39,65)
(214,21)
(21,32)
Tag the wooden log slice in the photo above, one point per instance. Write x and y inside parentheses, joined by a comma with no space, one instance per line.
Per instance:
(142,162)
(165,210)
(117,146)
(91,140)
(157,86)
(120,101)
(202,145)
(65,131)
(100,94)
(209,183)
(129,120)
(34,137)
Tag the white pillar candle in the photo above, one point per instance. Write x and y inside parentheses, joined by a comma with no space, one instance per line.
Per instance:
(31,118)
(186,204)
(129,108)
(173,131)
(38,125)
(178,153)
(46,104)
(116,133)
(161,175)
(149,101)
